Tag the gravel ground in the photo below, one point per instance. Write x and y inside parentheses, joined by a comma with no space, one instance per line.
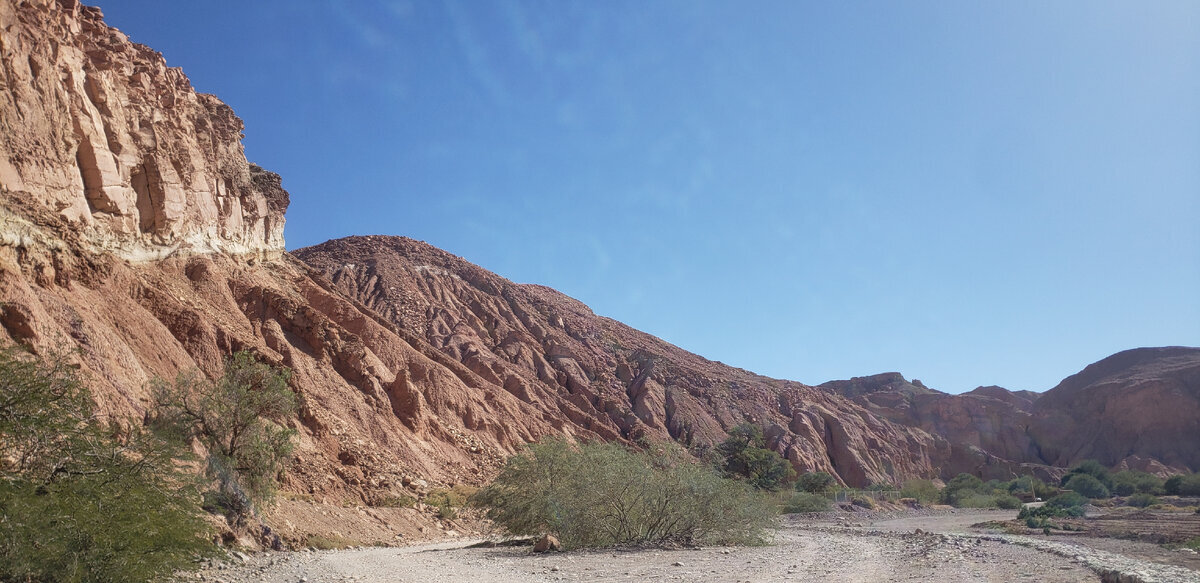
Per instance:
(829,547)
(803,550)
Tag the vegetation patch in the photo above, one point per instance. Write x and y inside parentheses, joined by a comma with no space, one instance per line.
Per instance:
(328,542)
(801,502)
(84,500)
(603,495)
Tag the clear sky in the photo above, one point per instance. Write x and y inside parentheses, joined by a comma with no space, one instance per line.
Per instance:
(970,193)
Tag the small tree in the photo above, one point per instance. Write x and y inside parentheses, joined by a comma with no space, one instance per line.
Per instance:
(744,455)
(238,418)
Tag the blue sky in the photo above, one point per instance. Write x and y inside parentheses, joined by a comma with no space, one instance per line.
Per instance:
(969,193)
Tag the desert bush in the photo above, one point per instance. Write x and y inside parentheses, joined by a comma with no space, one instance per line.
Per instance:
(744,455)
(960,488)
(1086,485)
(1182,485)
(598,495)
(1029,484)
(1067,500)
(1006,502)
(805,502)
(1129,482)
(815,482)
(458,495)
(84,500)
(1091,468)
(239,420)
(922,490)
(328,542)
(448,501)
(1062,505)
(862,501)
(1141,500)
(976,500)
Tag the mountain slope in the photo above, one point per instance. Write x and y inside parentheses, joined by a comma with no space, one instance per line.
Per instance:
(1138,408)
(593,374)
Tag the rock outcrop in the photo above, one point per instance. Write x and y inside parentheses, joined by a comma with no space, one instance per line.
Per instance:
(1137,409)
(99,131)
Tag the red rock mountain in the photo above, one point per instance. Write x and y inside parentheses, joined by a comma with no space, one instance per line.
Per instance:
(1135,409)
(133,229)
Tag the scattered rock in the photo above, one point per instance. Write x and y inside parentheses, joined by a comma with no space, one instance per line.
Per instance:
(547,543)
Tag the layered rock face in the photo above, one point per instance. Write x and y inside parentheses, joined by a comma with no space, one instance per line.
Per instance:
(987,428)
(135,237)
(1137,409)
(99,131)
(594,377)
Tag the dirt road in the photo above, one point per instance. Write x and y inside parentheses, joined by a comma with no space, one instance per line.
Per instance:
(804,550)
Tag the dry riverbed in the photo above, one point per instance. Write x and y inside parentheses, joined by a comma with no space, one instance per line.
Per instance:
(845,548)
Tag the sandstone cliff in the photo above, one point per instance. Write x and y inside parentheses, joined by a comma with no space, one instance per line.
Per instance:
(99,131)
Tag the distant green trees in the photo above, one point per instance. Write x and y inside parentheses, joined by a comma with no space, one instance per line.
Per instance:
(1183,485)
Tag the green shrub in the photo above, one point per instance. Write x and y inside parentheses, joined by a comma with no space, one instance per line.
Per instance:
(744,455)
(1183,485)
(961,488)
(816,483)
(456,496)
(395,501)
(328,542)
(1006,502)
(1141,500)
(1031,484)
(238,418)
(84,501)
(1063,505)
(1086,485)
(1091,468)
(805,502)
(976,500)
(863,501)
(602,494)
(1129,482)
(922,490)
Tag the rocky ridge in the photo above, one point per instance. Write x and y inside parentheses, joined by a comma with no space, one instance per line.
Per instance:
(591,376)
(1135,409)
